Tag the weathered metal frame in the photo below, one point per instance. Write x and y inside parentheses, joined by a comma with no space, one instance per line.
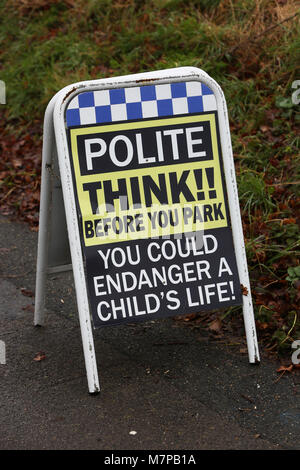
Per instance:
(55,134)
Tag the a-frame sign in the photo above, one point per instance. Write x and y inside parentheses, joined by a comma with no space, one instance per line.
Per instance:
(139,198)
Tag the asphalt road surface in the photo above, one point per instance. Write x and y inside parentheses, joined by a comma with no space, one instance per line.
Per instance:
(163,386)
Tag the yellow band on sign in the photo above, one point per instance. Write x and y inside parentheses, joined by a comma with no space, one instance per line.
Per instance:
(152,201)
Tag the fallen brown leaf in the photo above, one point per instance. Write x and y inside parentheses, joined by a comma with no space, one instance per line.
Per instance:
(262,325)
(28,308)
(285,368)
(26,292)
(40,356)
(215,326)
(291,220)
(190,317)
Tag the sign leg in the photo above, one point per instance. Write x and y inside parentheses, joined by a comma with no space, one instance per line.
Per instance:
(44,219)
(81,297)
(77,259)
(89,355)
(251,337)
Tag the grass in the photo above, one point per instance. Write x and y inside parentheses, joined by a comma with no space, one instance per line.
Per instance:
(251,47)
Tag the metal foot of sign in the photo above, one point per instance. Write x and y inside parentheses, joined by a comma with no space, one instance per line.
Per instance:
(148,191)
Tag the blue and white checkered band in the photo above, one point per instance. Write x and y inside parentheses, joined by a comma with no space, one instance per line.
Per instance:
(149,101)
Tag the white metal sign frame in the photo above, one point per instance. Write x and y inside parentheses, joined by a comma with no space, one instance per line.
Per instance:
(55,135)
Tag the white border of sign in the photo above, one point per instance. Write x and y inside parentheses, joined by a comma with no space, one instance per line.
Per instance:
(55,133)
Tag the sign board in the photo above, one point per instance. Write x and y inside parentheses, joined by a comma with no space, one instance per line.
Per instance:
(150,200)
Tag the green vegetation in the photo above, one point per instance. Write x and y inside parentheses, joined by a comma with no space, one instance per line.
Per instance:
(251,47)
